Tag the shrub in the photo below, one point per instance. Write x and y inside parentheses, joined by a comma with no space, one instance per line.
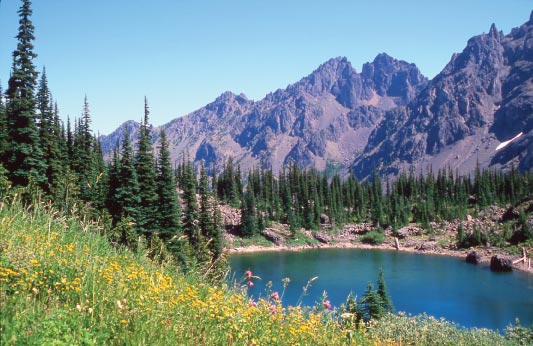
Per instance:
(373,237)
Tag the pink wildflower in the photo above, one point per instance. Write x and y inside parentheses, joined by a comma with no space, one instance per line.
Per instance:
(273,308)
(275,296)
(252,303)
(248,274)
(326,304)
(250,283)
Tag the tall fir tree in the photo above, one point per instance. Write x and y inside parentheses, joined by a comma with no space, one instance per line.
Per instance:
(169,212)
(384,294)
(127,192)
(49,138)
(146,176)
(3,124)
(190,213)
(23,156)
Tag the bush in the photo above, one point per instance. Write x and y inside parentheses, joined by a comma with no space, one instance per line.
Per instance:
(426,330)
(373,238)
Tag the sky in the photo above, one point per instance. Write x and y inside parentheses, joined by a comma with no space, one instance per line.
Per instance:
(182,54)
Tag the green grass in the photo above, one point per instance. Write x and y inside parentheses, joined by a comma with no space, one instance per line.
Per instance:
(63,284)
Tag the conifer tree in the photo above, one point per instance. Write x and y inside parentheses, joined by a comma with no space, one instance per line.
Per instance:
(49,138)
(384,294)
(127,192)
(248,215)
(190,213)
(371,306)
(146,176)
(168,213)
(3,125)
(206,218)
(23,156)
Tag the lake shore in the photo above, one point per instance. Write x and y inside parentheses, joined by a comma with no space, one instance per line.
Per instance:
(485,253)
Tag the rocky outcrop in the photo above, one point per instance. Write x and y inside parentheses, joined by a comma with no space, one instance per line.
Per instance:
(322,237)
(481,98)
(501,264)
(473,257)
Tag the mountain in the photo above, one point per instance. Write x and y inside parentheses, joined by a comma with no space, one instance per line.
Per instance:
(483,97)
(477,111)
(322,121)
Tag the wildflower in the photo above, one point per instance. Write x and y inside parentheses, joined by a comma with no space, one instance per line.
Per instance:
(326,304)
(252,303)
(250,284)
(248,274)
(275,295)
(273,308)
(123,321)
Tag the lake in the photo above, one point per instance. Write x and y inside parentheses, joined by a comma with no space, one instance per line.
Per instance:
(469,295)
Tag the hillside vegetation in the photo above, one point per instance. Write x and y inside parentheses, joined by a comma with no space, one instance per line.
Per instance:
(63,284)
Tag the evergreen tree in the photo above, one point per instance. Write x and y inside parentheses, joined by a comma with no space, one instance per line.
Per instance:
(3,124)
(206,217)
(23,156)
(127,192)
(168,213)
(146,176)
(371,306)
(190,213)
(49,138)
(384,294)
(248,215)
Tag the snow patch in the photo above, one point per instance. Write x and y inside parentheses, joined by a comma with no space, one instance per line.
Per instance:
(504,144)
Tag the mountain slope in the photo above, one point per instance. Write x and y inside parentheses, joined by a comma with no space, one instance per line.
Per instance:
(388,117)
(322,120)
(481,98)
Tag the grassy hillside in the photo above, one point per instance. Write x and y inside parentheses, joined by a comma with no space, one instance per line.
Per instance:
(63,284)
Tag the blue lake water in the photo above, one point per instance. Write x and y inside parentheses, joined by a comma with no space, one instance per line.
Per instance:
(469,295)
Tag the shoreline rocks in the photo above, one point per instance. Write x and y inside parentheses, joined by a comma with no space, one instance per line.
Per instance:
(501,264)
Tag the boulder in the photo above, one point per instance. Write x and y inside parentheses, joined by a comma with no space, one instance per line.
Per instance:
(510,214)
(322,237)
(273,237)
(473,257)
(501,264)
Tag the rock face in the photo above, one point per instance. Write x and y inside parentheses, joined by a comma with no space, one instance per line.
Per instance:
(501,264)
(388,117)
(483,97)
(473,257)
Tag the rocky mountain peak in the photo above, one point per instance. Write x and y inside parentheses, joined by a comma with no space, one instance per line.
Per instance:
(395,78)
(493,32)
(327,75)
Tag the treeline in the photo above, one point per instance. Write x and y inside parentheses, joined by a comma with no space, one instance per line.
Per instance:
(308,198)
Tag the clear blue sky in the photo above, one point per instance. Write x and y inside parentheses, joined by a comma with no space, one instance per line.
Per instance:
(183,54)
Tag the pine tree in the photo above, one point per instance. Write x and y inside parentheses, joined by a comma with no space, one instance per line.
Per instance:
(127,192)
(146,176)
(3,124)
(384,294)
(23,156)
(168,213)
(371,306)
(190,213)
(49,138)
(248,215)
(205,216)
